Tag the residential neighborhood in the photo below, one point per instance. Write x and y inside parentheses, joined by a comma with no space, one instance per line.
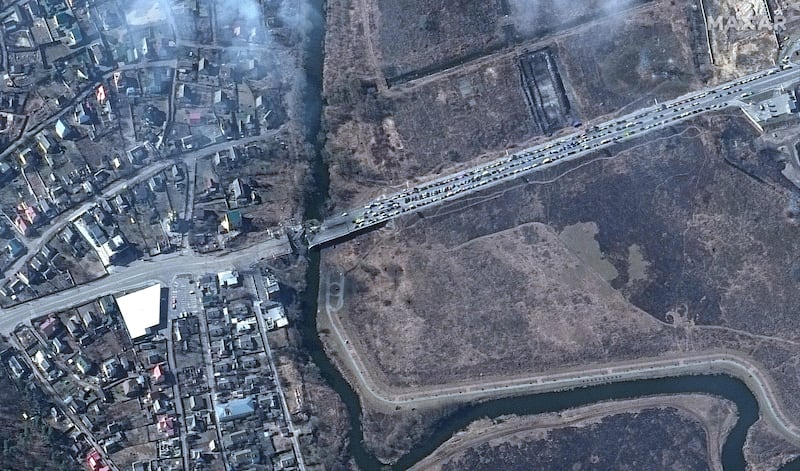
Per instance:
(176,377)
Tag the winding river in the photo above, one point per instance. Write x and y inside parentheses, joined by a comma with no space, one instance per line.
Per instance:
(718,385)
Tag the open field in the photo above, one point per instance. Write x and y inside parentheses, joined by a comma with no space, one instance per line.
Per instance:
(624,442)
(739,51)
(622,257)
(767,449)
(577,438)
(413,35)
(652,55)
(379,137)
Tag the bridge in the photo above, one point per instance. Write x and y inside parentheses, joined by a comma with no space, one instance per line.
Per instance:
(451,187)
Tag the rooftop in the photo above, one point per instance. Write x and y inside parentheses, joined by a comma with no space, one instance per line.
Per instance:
(141,310)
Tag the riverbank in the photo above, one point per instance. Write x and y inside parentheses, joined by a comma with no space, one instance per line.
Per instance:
(717,416)
(588,391)
(387,398)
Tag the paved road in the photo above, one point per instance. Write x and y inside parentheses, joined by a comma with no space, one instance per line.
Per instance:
(258,282)
(189,158)
(139,274)
(570,147)
(727,362)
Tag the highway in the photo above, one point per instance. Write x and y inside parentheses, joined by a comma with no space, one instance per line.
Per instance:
(573,146)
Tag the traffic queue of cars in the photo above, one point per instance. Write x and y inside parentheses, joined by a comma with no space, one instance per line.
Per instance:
(593,138)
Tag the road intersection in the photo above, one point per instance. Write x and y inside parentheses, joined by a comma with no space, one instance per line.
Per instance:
(164,269)
(139,274)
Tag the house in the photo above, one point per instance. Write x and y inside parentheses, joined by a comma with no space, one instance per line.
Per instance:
(159,374)
(285,460)
(197,403)
(94,461)
(75,326)
(60,346)
(235,439)
(228,279)
(28,275)
(42,361)
(232,221)
(68,235)
(15,248)
(154,358)
(249,362)
(131,388)
(88,318)
(137,154)
(157,183)
(108,305)
(177,173)
(246,457)
(38,263)
(22,226)
(166,425)
(74,36)
(17,369)
(161,406)
(111,368)
(63,130)
(63,19)
(51,327)
(235,409)
(84,365)
(82,114)
(195,423)
(240,192)
(146,48)
(46,144)
(28,157)
(48,252)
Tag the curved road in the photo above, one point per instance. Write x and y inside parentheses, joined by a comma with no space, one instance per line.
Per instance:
(725,362)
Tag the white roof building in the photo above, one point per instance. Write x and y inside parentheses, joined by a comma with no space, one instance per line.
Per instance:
(141,310)
(228,279)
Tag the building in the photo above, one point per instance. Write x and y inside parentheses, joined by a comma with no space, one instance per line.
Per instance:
(166,425)
(51,327)
(63,130)
(235,409)
(131,388)
(246,457)
(15,248)
(240,192)
(159,374)
(94,461)
(84,365)
(228,279)
(141,310)
(19,370)
(232,221)
(197,403)
(108,249)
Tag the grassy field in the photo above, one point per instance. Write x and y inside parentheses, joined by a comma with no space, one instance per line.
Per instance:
(454,116)
(678,243)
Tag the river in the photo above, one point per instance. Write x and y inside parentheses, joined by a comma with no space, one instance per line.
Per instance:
(718,385)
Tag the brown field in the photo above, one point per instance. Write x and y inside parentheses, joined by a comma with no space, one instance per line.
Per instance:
(680,243)
(413,35)
(767,449)
(451,117)
(670,431)
(739,51)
